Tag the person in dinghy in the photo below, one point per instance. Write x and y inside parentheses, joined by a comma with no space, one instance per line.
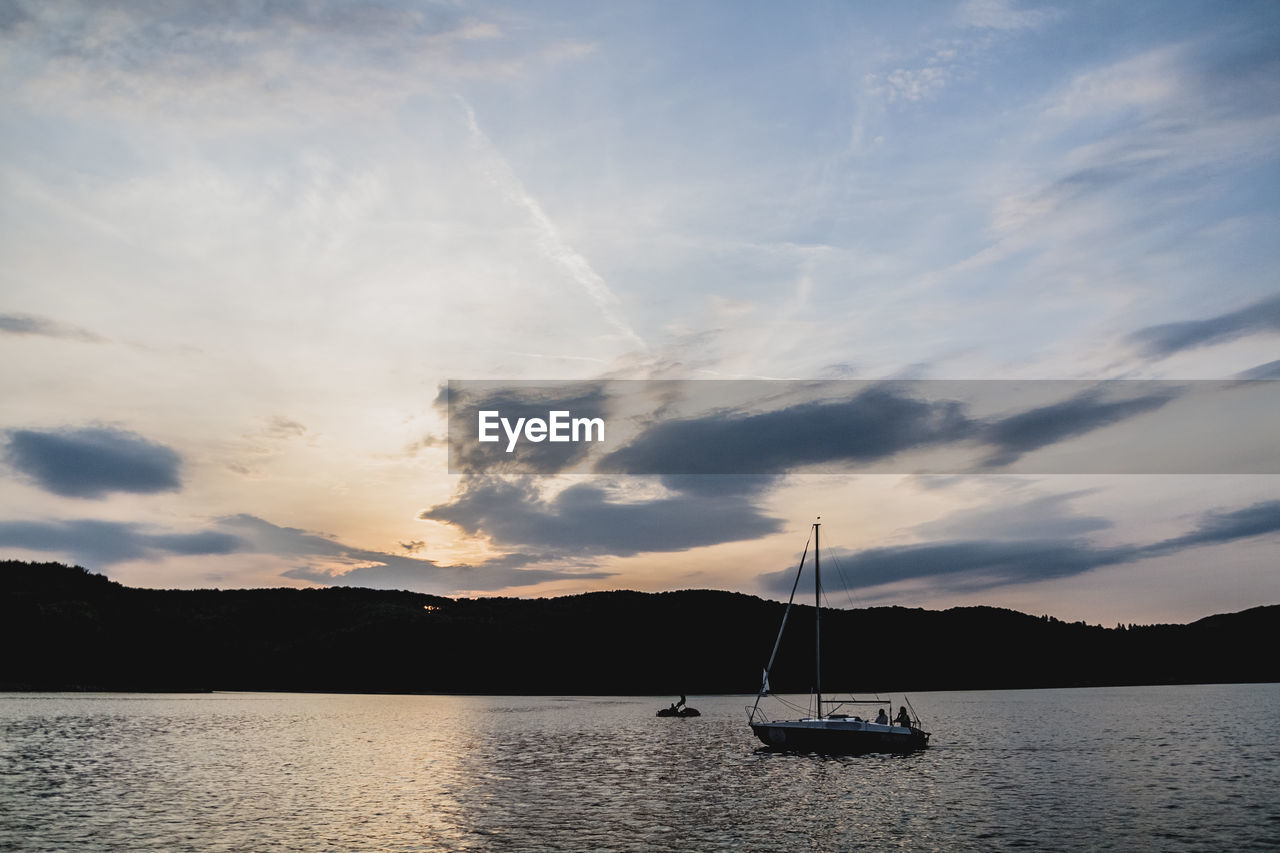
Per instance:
(679,709)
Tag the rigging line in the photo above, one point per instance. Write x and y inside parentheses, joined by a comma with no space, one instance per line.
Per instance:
(844,581)
(914,716)
(794,706)
(826,596)
(768,669)
(848,590)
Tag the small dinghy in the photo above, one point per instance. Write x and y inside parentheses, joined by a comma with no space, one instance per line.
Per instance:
(679,709)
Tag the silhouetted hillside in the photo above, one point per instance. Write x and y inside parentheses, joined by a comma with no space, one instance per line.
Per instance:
(66,628)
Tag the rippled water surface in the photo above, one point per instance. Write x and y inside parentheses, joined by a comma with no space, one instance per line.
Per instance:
(1160,768)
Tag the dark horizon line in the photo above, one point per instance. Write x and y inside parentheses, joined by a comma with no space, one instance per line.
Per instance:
(620,591)
(464,694)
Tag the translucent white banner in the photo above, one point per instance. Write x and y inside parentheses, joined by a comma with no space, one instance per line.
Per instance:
(756,427)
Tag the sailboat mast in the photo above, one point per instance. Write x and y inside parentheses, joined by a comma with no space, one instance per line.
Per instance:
(817,614)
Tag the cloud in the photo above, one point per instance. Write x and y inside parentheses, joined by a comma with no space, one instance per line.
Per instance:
(983,25)
(911,84)
(281,427)
(392,572)
(31,324)
(759,428)
(90,462)
(1214,527)
(720,485)
(190,58)
(587,519)
(1130,156)
(973,565)
(327,561)
(1001,15)
(874,424)
(1270,370)
(1262,317)
(12,16)
(965,565)
(1045,517)
(318,559)
(1046,425)
(703,505)
(96,543)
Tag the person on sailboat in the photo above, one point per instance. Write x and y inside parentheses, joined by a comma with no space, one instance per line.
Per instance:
(903,719)
(882,718)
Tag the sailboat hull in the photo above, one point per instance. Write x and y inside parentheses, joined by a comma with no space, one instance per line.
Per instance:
(839,736)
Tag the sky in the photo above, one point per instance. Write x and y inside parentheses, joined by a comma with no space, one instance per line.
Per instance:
(246,246)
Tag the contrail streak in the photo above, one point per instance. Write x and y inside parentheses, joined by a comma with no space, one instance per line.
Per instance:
(549,239)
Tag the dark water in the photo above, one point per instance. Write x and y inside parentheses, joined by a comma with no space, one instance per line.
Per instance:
(1154,768)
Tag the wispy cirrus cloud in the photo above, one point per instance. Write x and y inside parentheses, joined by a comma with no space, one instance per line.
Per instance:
(977,28)
(1003,15)
(1123,156)
(548,237)
(1045,517)
(911,84)
(189,57)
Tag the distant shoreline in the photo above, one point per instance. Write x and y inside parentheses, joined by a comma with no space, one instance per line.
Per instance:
(657,697)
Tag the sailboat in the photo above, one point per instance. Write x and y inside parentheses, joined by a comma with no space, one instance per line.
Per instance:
(828,731)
